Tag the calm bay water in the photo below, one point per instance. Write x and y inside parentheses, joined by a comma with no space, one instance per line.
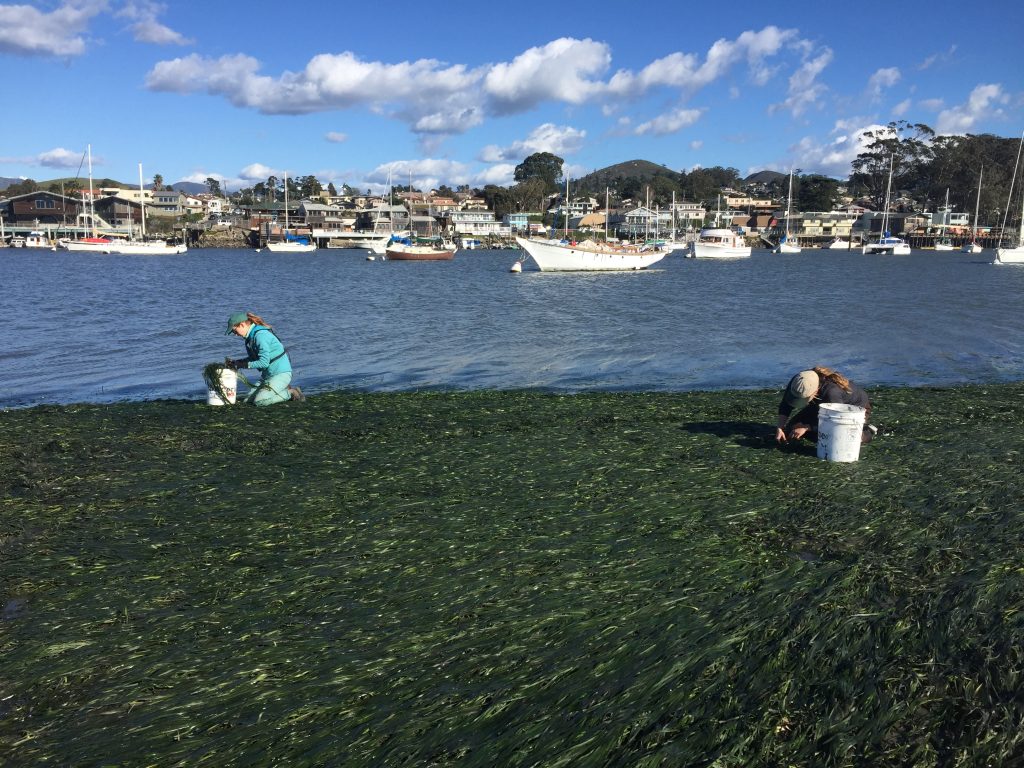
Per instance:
(84,328)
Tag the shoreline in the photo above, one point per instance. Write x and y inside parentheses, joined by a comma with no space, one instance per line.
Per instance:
(515,577)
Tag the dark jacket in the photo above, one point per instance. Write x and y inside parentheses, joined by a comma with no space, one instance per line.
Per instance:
(828,392)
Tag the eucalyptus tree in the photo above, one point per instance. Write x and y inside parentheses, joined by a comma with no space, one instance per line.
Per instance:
(158,182)
(907,147)
(213,186)
(541,165)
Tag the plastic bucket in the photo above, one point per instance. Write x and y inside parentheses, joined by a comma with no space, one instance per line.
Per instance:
(839,431)
(229,383)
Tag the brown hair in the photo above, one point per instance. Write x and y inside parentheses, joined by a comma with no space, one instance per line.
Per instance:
(257,320)
(833,376)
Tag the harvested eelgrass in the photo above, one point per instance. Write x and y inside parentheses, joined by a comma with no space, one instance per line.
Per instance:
(511,578)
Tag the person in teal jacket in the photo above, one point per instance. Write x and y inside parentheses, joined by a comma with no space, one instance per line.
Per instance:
(264,353)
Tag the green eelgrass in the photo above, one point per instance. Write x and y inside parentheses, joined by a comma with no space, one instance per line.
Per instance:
(211,376)
(511,578)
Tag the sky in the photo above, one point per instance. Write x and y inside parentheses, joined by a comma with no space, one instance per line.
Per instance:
(457,92)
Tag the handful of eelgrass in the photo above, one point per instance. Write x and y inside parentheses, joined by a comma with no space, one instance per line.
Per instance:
(211,375)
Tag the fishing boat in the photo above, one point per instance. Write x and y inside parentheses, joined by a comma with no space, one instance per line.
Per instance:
(419,249)
(973,247)
(786,244)
(888,243)
(144,247)
(720,244)
(37,239)
(291,243)
(589,256)
(1013,254)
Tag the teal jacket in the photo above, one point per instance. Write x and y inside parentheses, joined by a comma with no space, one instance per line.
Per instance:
(266,352)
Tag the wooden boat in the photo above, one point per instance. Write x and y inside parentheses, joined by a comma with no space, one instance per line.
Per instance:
(589,256)
(406,249)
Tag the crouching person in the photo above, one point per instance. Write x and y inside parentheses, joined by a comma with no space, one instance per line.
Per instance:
(798,411)
(264,353)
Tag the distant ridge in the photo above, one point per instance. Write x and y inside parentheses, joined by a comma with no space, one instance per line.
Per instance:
(189,187)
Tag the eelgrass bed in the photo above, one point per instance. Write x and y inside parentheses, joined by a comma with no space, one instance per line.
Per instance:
(511,578)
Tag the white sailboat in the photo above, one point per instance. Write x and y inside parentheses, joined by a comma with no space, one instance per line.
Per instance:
(94,243)
(786,245)
(290,243)
(146,247)
(887,243)
(1013,254)
(973,247)
(943,243)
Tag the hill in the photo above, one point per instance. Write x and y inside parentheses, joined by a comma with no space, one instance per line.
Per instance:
(764,177)
(189,187)
(642,170)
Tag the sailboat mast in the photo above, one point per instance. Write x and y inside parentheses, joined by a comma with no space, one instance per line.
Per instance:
(142,203)
(606,214)
(565,208)
(977,207)
(92,196)
(888,192)
(286,205)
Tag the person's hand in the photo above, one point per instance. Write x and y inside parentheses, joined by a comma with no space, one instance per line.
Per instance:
(229,363)
(780,435)
(797,432)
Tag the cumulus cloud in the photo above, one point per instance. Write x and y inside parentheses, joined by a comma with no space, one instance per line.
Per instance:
(671,122)
(27,31)
(335,137)
(902,108)
(557,139)
(804,90)
(983,103)
(146,26)
(833,157)
(259,172)
(563,70)
(883,78)
(61,158)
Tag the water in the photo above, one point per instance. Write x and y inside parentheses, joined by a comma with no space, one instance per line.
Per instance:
(98,328)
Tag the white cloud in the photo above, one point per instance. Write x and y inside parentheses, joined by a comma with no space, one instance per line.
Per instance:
(147,27)
(834,157)
(983,103)
(563,70)
(27,31)
(501,174)
(671,122)
(901,109)
(61,158)
(335,137)
(804,91)
(696,144)
(426,173)
(932,105)
(937,57)
(557,139)
(883,78)
(259,172)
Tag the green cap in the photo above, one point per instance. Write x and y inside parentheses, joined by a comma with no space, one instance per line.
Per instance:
(235,319)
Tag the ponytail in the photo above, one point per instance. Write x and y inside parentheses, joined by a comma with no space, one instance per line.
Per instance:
(834,376)
(257,320)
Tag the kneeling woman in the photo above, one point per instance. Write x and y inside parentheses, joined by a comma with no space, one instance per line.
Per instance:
(798,411)
(267,355)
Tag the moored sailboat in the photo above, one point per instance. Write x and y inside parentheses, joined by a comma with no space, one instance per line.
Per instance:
(973,247)
(788,244)
(144,247)
(887,243)
(1013,254)
(290,243)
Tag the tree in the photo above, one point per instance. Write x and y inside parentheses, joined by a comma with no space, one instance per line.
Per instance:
(213,185)
(499,200)
(528,195)
(907,147)
(331,190)
(158,183)
(815,193)
(704,184)
(541,165)
(22,188)
(445,191)
(272,188)
(309,186)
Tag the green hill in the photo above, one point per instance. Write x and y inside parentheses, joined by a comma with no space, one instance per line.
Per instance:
(642,170)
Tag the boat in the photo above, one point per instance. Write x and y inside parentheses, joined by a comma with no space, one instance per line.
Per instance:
(973,247)
(720,244)
(839,244)
(1013,254)
(94,243)
(888,243)
(291,243)
(145,247)
(589,256)
(36,239)
(786,245)
(943,243)
(471,243)
(419,249)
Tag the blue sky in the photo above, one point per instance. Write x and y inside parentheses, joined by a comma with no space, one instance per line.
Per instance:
(459,92)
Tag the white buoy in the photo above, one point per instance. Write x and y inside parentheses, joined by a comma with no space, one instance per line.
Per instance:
(517,267)
(371,257)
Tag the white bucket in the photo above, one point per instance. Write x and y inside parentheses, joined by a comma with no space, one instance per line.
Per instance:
(839,431)
(229,383)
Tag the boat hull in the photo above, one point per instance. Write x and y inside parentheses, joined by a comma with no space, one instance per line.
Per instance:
(147,249)
(555,257)
(1010,255)
(720,244)
(971,248)
(291,247)
(415,253)
(787,248)
(89,245)
(890,245)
